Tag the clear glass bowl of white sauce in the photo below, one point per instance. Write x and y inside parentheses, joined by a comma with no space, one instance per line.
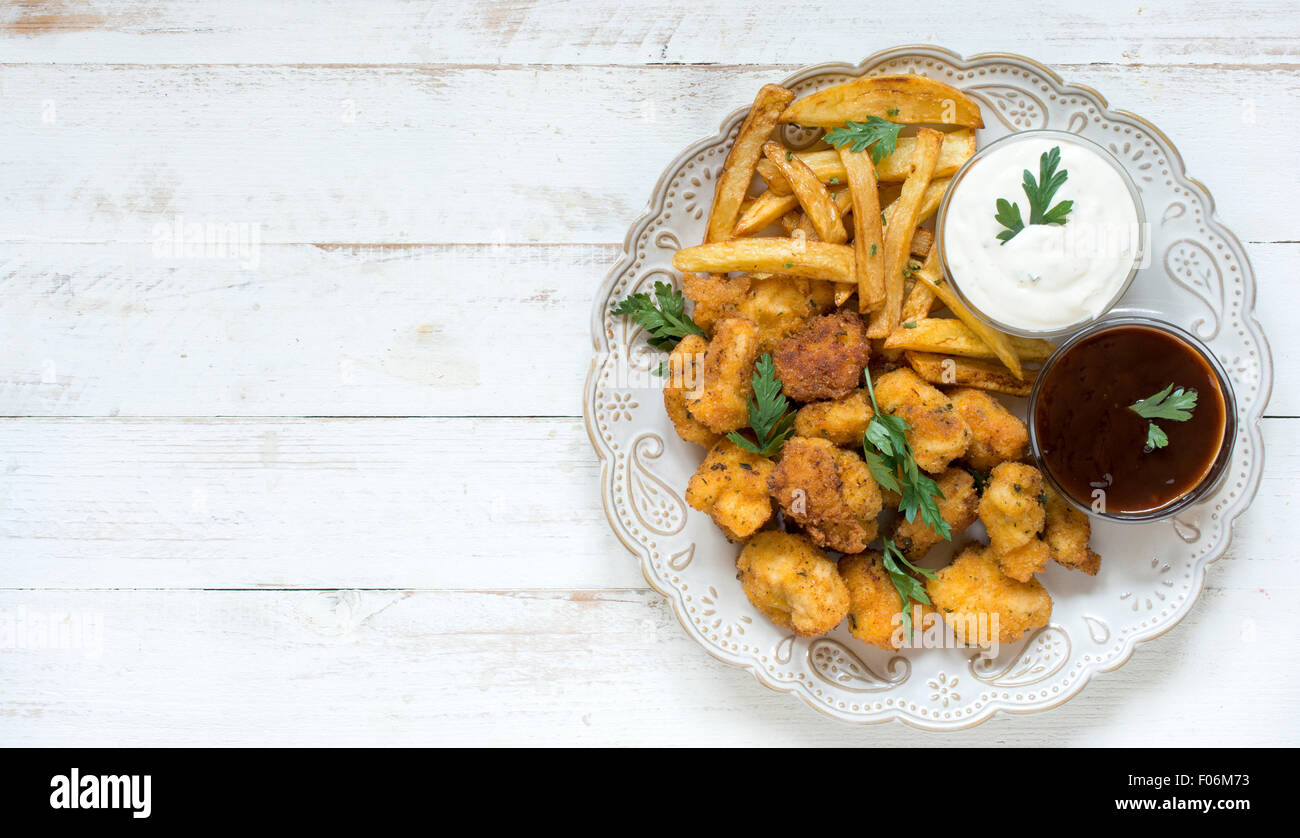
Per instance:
(1047,280)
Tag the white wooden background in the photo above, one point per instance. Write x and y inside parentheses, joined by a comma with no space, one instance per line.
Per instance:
(346,496)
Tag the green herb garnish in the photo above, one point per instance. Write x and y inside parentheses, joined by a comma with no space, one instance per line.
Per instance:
(880,135)
(668,323)
(1170,404)
(768,418)
(910,589)
(888,455)
(1040,193)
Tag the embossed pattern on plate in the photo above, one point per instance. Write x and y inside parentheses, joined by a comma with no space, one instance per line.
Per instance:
(1199,277)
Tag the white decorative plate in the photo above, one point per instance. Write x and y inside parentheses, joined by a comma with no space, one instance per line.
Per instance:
(1198,277)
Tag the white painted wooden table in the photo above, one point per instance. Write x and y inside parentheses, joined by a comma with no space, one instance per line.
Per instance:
(340,492)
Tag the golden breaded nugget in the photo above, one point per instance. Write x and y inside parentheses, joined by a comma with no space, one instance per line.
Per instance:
(937,433)
(829,492)
(682,378)
(731,486)
(959,506)
(1012,506)
(793,583)
(778,305)
(1066,532)
(996,435)
(721,401)
(874,603)
(974,588)
(842,421)
(824,358)
(1023,562)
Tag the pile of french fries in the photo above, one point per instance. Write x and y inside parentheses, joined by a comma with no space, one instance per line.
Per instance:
(808,195)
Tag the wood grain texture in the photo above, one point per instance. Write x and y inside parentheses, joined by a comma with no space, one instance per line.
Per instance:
(450,154)
(439,330)
(437,190)
(659,31)
(427,503)
(559,668)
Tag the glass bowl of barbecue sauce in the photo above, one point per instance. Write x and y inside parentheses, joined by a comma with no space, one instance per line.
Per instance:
(1132,419)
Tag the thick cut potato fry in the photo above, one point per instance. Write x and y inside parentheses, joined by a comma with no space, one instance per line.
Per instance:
(955,370)
(920,299)
(738,170)
(906,98)
(765,210)
(868,238)
(947,336)
(899,229)
(814,260)
(816,201)
(922,241)
(958,146)
(1000,343)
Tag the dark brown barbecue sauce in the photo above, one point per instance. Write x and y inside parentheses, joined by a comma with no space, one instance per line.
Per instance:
(1090,440)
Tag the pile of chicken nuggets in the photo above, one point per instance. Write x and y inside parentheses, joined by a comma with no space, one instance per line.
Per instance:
(965,438)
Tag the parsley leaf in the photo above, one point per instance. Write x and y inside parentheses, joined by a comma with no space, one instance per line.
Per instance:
(768,418)
(1040,193)
(893,466)
(1175,405)
(910,589)
(668,323)
(880,134)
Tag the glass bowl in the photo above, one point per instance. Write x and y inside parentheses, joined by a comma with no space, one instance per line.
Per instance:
(1218,467)
(1139,259)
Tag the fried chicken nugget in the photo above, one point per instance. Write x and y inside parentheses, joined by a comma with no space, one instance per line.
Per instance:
(935,430)
(1067,532)
(959,506)
(874,602)
(793,583)
(1012,512)
(842,421)
(682,378)
(778,305)
(1023,562)
(731,486)
(824,358)
(973,587)
(720,401)
(829,492)
(996,435)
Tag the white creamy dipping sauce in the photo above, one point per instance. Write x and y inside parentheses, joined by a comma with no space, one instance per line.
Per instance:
(1046,277)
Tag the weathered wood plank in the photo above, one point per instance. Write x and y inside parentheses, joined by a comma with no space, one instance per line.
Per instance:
(474,155)
(365,503)
(109,330)
(595,32)
(564,667)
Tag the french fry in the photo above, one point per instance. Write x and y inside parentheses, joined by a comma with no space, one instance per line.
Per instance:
(813,197)
(906,98)
(958,146)
(765,210)
(738,170)
(868,240)
(948,336)
(920,300)
(814,260)
(898,232)
(922,241)
(790,221)
(1002,345)
(954,370)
